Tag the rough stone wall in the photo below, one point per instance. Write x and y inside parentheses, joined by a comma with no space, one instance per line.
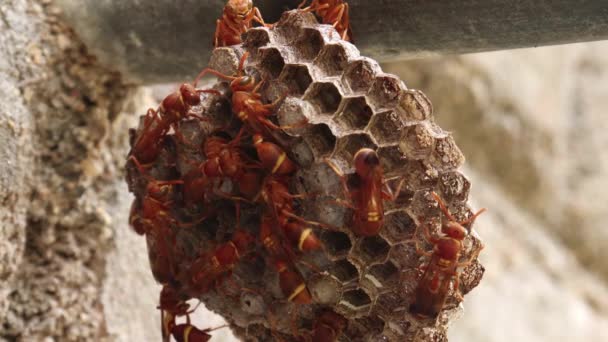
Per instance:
(62,142)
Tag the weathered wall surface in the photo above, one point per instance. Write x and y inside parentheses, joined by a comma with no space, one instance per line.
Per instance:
(62,142)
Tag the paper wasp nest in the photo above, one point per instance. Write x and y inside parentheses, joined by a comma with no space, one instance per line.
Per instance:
(348,103)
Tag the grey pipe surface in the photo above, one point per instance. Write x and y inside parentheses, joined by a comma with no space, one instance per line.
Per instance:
(170,40)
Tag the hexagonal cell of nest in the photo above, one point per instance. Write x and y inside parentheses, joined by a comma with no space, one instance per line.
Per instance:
(360,75)
(297,78)
(354,303)
(271,61)
(414,105)
(330,103)
(446,155)
(256,38)
(393,161)
(325,288)
(354,113)
(454,185)
(308,44)
(372,249)
(385,91)
(386,127)
(383,276)
(398,226)
(325,96)
(347,146)
(344,271)
(337,244)
(368,327)
(333,59)
(321,141)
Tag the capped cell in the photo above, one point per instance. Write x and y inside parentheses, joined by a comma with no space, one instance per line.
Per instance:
(446,155)
(417,141)
(294,114)
(386,127)
(324,289)
(398,226)
(413,105)
(453,185)
(360,74)
(385,91)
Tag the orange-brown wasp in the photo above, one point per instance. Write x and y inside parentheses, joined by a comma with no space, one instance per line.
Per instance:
(297,234)
(210,268)
(158,122)
(246,100)
(237,18)
(152,211)
(292,284)
(173,304)
(332,12)
(368,198)
(442,268)
(273,158)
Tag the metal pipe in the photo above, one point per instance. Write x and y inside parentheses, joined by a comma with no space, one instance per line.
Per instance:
(168,40)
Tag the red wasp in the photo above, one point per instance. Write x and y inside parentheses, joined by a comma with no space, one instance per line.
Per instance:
(208,269)
(301,236)
(224,159)
(368,198)
(157,122)
(273,157)
(292,284)
(173,304)
(195,188)
(237,18)
(297,234)
(163,257)
(279,203)
(275,195)
(332,12)
(153,209)
(246,100)
(442,269)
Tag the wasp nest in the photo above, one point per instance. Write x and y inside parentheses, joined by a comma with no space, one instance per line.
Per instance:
(347,103)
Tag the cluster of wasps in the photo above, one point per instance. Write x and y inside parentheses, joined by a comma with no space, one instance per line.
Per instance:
(259,169)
